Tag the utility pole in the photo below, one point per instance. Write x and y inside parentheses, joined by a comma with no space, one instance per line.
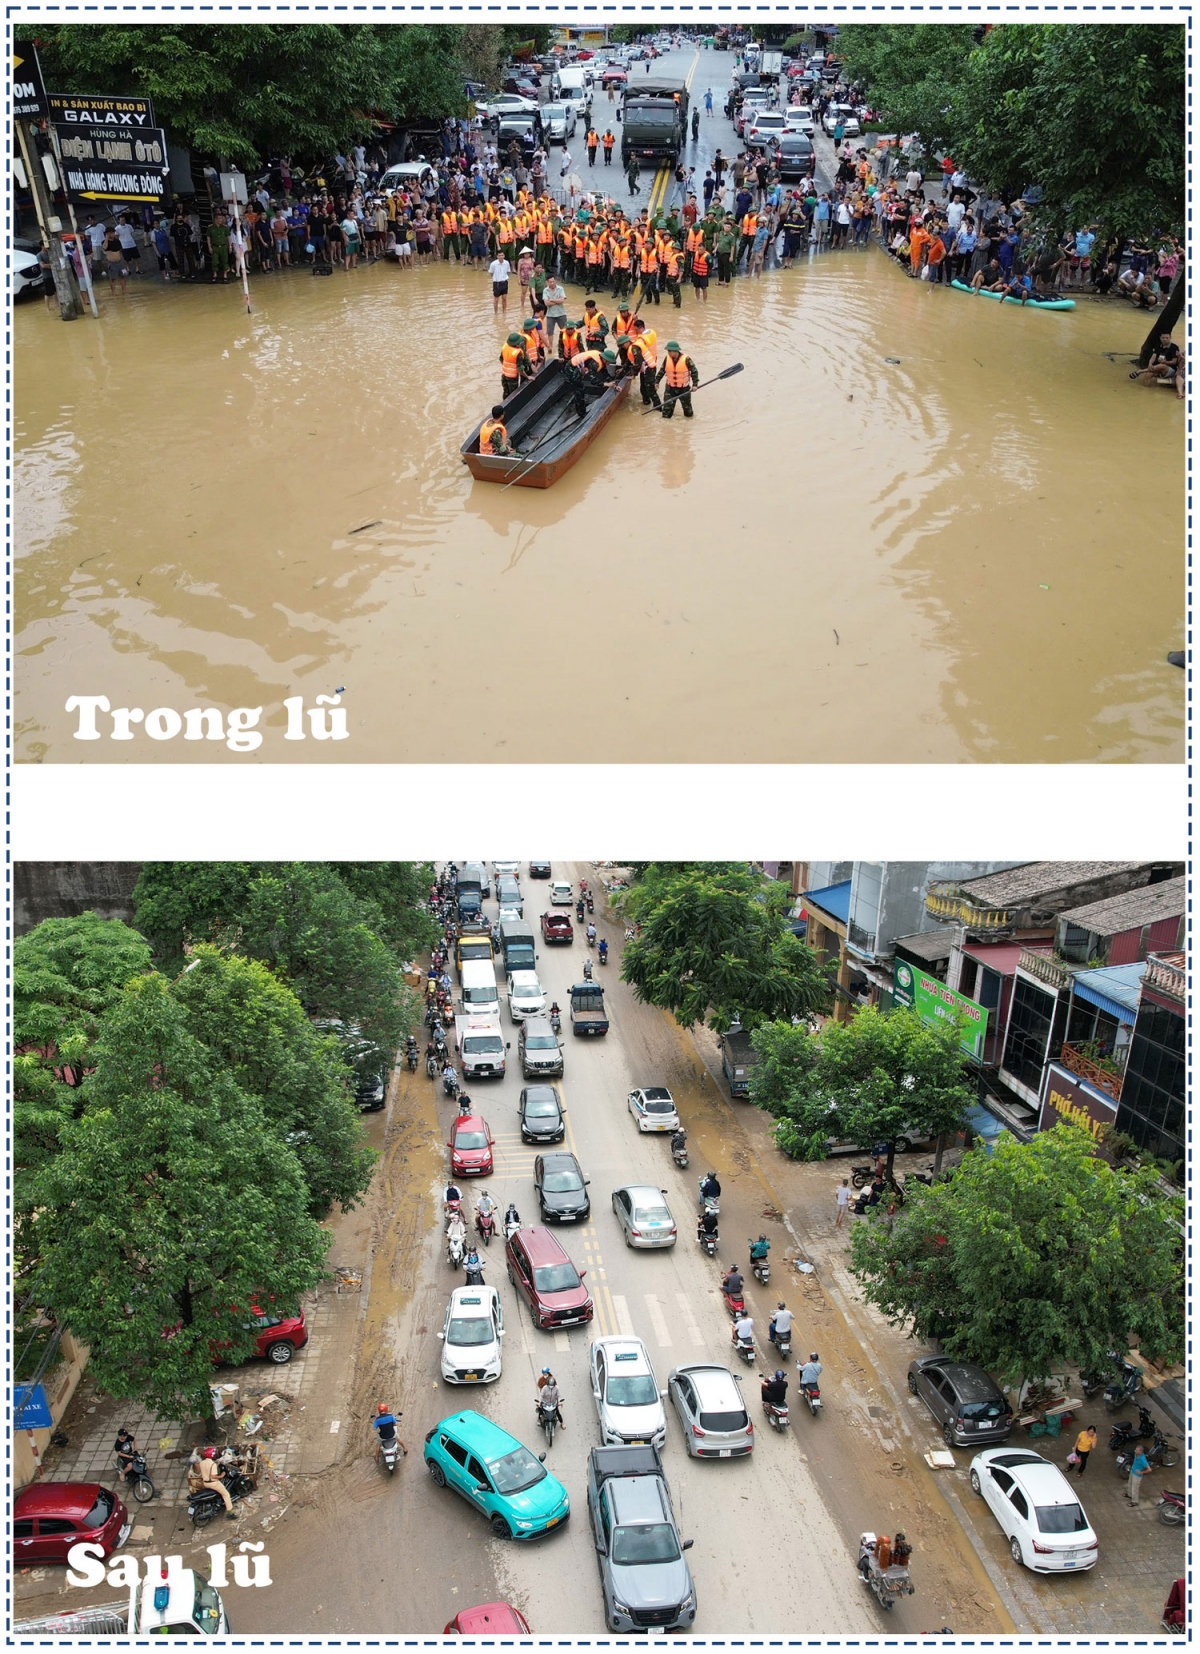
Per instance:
(29,106)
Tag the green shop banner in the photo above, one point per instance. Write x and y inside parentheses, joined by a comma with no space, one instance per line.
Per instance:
(935,1002)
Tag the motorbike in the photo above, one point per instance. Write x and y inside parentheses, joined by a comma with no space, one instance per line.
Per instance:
(679,1153)
(708,1243)
(547,1421)
(602,951)
(556,1022)
(451,1209)
(455,1248)
(579,913)
(760,1268)
(587,969)
(1159,1453)
(1123,1390)
(512,1222)
(206,1503)
(886,1584)
(474,1269)
(411,1058)
(735,1303)
(1172,1509)
(744,1347)
(708,1203)
(860,1176)
(431,1066)
(450,1085)
(812,1394)
(777,1414)
(485,1222)
(1125,1430)
(464,1103)
(591,906)
(136,1478)
(782,1342)
(389,1452)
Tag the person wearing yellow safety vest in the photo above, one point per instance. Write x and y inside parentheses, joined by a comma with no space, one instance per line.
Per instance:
(681,374)
(645,355)
(493,436)
(514,365)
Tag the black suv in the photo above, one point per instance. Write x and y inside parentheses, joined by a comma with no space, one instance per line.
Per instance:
(561,1188)
(966,1401)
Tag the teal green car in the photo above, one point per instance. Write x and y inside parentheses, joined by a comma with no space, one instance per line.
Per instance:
(497,1475)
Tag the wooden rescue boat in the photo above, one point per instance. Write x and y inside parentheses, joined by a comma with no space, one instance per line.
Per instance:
(541,421)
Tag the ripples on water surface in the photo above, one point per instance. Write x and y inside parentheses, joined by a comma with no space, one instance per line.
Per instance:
(974,553)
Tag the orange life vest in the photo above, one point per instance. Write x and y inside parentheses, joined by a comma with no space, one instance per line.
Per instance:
(649,259)
(593,138)
(449,222)
(504,232)
(586,356)
(700,261)
(647,348)
(570,340)
(609,141)
(672,262)
(678,372)
(487,431)
(510,361)
(750,223)
(594,327)
(622,325)
(695,239)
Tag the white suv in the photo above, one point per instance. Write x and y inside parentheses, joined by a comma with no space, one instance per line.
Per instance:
(526,996)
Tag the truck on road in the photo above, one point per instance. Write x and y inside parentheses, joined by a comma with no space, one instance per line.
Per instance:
(654,120)
(771,65)
(481,1047)
(644,1575)
(588,1015)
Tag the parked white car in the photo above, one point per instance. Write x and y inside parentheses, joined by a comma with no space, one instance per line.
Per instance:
(526,996)
(506,103)
(471,1336)
(798,117)
(1037,1508)
(629,1403)
(26,271)
(841,114)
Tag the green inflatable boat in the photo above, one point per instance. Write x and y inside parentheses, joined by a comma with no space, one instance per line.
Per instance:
(1030,304)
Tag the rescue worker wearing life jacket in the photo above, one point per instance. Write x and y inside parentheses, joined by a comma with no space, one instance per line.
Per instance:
(624,321)
(681,374)
(595,325)
(585,371)
(645,355)
(493,437)
(608,140)
(514,365)
(570,340)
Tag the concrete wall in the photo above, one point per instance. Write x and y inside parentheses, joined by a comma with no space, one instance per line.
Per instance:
(60,1386)
(65,889)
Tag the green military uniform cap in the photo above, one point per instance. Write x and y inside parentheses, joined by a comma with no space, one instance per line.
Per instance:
(515,339)
(609,355)
(674,344)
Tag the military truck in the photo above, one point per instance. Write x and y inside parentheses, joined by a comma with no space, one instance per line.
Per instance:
(654,120)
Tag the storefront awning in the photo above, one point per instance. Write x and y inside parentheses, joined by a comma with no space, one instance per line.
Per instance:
(1113,990)
(833,899)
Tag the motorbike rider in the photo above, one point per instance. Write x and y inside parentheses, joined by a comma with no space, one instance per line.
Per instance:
(707,1225)
(759,1250)
(901,1550)
(473,1268)
(485,1208)
(602,950)
(781,1323)
(774,1389)
(710,1189)
(125,1447)
(549,1397)
(678,1140)
(512,1216)
(210,1479)
(743,1329)
(385,1423)
(587,970)
(456,1230)
(810,1373)
(732,1283)
(464,1103)
(449,1080)
(451,1199)
(579,910)
(591,935)
(555,1012)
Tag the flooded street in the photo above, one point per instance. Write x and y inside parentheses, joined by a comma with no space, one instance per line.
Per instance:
(973,553)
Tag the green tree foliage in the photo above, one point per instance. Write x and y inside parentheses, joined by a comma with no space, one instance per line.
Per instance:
(66,974)
(1037,1256)
(714,945)
(255,1028)
(177,903)
(172,1207)
(1092,113)
(867,1080)
(398,890)
(244,90)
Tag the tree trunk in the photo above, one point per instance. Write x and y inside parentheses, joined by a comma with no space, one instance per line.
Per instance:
(941,1149)
(1164,322)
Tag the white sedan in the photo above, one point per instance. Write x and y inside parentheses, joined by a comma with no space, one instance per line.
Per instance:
(653,1107)
(841,114)
(526,996)
(629,1403)
(798,117)
(471,1336)
(506,103)
(1037,1508)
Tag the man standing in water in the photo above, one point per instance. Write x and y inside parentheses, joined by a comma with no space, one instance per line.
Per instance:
(499,270)
(681,375)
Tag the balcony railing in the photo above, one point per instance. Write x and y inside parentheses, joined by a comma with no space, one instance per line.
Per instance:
(1045,967)
(1166,976)
(1104,1079)
(948,903)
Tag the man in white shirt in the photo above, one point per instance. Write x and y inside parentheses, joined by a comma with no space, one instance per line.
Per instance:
(915,181)
(499,270)
(954,218)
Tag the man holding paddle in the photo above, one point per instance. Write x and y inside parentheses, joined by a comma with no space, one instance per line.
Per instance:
(681,374)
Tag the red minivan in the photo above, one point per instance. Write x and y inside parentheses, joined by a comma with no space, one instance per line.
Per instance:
(547,1279)
(470,1146)
(50,1517)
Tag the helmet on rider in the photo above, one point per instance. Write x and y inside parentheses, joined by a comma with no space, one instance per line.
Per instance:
(383,1408)
(779,1373)
(210,1453)
(546,1372)
(781,1304)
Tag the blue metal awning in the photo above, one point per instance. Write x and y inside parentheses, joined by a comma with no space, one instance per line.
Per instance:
(833,899)
(1113,990)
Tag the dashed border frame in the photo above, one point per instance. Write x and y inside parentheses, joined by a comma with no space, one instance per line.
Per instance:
(1086,9)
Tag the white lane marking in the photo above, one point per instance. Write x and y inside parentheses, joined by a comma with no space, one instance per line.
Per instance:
(659,1321)
(335,1427)
(561,1341)
(686,1315)
(526,1334)
(624,1320)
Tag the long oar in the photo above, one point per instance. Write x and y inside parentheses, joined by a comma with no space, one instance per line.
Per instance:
(692,389)
(528,459)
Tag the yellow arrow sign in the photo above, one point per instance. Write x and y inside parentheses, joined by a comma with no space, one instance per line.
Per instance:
(17,61)
(96,195)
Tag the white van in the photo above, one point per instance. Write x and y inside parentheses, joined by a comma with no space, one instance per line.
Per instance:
(479,995)
(570,85)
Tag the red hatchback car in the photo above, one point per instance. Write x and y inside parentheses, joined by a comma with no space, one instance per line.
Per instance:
(281,1335)
(470,1146)
(547,1279)
(493,1619)
(50,1517)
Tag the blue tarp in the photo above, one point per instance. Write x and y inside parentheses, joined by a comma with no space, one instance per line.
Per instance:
(834,899)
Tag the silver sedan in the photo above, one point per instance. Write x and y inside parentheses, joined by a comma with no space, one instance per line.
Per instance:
(644,1215)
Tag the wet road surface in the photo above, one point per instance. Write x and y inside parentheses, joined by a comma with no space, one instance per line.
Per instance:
(970,552)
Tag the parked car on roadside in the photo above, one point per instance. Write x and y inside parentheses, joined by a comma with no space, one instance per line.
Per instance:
(967,1402)
(49,1517)
(1038,1510)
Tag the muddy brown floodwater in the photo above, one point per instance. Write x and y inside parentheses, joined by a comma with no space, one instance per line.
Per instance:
(972,553)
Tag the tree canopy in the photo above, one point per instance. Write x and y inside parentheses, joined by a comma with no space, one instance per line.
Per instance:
(713,945)
(246,90)
(1035,1256)
(872,1079)
(172,1209)
(1034,104)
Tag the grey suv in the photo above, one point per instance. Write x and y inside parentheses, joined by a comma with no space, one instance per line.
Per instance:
(967,1402)
(539,1049)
